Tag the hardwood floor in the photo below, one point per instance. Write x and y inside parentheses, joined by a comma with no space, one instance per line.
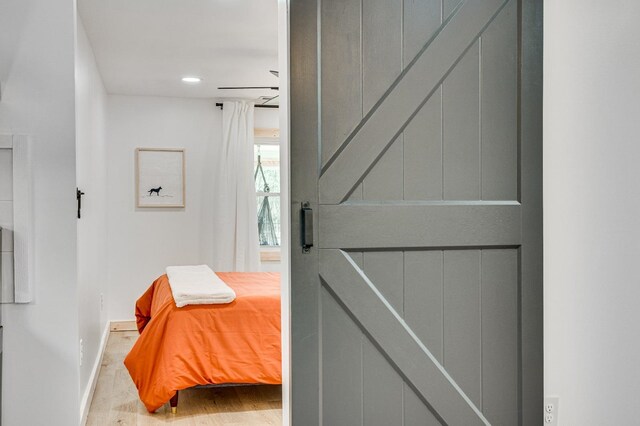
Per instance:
(116,401)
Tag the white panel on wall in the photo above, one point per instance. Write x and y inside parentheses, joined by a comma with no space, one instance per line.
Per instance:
(6,173)
(6,141)
(6,219)
(6,222)
(16,249)
(6,260)
(22,220)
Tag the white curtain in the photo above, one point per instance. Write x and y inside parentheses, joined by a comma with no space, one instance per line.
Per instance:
(236,246)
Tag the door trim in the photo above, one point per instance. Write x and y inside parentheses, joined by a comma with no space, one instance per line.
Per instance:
(530,196)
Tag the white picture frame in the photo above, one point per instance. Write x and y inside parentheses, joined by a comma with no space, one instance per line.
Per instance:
(160,178)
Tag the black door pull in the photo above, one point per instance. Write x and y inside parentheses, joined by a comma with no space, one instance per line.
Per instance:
(306,220)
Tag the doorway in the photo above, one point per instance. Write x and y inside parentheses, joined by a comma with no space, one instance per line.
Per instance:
(157,74)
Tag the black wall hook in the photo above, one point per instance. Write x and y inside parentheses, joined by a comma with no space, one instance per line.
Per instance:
(79,195)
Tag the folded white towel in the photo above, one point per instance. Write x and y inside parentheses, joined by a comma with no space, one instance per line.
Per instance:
(198,285)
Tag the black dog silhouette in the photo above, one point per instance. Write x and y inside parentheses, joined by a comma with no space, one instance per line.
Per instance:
(156,190)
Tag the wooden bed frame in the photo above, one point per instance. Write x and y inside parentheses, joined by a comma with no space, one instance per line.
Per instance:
(173,402)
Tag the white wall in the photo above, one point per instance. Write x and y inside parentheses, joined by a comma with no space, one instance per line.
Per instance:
(40,367)
(592,209)
(266,118)
(91,175)
(142,242)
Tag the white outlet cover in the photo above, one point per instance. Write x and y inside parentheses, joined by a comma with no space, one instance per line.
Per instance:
(550,410)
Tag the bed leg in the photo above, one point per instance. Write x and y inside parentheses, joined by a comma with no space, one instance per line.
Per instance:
(174,403)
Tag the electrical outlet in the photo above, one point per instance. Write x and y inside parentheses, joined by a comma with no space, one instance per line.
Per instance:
(551,404)
(81,352)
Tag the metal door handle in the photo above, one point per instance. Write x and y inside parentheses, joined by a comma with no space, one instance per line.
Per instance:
(306,220)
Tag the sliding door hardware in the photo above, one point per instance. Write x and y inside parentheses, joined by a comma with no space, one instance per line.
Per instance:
(306,222)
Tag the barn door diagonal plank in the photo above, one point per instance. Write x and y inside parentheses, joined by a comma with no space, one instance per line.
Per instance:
(418,366)
(413,88)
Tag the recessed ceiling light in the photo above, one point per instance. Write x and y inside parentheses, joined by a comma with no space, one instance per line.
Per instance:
(191,79)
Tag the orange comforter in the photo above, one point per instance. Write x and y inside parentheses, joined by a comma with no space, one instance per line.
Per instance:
(206,344)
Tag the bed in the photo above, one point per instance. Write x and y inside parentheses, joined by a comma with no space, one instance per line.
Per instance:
(196,345)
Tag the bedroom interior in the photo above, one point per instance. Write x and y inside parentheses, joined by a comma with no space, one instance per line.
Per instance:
(182,108)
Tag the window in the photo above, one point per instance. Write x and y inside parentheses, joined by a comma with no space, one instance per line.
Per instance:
(266,160)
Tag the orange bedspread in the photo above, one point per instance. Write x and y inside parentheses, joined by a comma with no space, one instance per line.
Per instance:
(207,344)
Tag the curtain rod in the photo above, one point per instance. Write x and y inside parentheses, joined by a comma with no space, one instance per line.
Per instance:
(219,104)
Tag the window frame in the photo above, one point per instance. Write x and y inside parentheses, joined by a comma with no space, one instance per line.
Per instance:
(269,254)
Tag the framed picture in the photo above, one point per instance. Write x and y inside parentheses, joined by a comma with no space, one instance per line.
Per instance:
(160,177)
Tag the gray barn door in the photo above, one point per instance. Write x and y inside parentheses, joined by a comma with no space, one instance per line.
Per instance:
(416,138)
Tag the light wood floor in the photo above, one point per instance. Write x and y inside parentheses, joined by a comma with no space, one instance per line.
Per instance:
(116,402)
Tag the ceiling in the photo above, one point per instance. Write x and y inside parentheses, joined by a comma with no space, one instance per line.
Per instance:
(145,47)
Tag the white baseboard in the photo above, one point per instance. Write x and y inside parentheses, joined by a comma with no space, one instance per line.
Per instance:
(124,325)
(85,404)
